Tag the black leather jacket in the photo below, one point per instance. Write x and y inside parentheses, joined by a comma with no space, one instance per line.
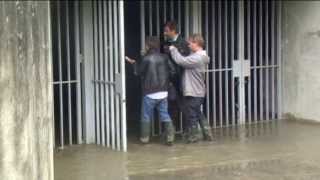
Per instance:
(182,46)
(155,70)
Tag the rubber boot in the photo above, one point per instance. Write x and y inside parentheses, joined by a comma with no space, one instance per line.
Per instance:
(206,129)
(145,132)
(193,135)
(169,133)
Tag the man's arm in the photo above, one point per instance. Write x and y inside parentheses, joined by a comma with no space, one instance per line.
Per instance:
(185,61)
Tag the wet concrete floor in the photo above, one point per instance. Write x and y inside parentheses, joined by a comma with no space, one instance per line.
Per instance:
(281,150)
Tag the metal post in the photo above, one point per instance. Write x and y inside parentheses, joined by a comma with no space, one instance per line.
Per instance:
(207,68)
(186,25)
(68,72)
(220,61)
(111,48)
(279,60)
(214,63)
(150,18)
(122,71)
(179,16)
(171,10)
(106,73)
(101,74)
(241,91)
(232,65)
(164,11)
(255,59)
(142,25)
(226,62)
(158,17)
(96,70)
(60,75)
(273,59)
(78,66)
(116,55)
(249,58)
(260,58)
(267,59)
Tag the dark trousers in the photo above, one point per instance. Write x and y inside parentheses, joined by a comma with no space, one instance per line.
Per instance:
(192,110)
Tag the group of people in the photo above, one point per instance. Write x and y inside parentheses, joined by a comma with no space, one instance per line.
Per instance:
(173,72)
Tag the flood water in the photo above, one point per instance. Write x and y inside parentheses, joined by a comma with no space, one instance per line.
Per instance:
(280,150)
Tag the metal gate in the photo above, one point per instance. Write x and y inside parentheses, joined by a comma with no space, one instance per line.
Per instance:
(66,73)
(243,41)
(88,43)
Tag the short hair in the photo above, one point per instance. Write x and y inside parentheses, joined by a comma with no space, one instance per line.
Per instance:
(197,38)
(172,25)
(153,42)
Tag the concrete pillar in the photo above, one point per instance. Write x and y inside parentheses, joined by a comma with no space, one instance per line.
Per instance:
(26,123)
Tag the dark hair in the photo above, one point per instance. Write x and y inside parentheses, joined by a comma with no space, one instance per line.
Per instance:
(172,25)
(197,38)
(153,42)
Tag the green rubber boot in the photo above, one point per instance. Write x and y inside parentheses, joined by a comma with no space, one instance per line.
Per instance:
(206,129)
(145,132)
(169,132)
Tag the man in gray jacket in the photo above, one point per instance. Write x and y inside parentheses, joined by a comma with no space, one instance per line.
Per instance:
(193,86)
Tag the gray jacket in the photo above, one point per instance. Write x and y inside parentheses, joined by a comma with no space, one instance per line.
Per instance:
(193,78)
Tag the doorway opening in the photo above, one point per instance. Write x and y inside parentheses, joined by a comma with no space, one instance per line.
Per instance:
(96,96)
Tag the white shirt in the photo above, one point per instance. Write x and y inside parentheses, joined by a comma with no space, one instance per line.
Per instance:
(158,95)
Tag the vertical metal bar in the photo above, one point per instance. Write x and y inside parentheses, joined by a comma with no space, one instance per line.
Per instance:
(255,73)
(241,91)
(249,58)
(226,63)
(96,71)
(267,58)
(171,10)
(142,25)
(272,59)
(116,59)
(68,72)
(158,34)
(102,85)
(164,11)
(111,48)
(207,68)
(123,73)
(60,74)
(78,66)
(279,62)
(158,17)
(106,73)
(150,18)
(220,60)
(213,64)
(232,57)
(179,15)
(186,25)
(260,58)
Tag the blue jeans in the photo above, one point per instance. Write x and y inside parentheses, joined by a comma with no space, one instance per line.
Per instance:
(149,105)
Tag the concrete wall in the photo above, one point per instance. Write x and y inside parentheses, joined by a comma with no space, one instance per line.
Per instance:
(301,59)
(26,151)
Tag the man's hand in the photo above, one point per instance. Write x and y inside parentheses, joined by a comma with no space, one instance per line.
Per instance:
(171,47)
(129,60)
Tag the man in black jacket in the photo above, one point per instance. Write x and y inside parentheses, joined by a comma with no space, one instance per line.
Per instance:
(154,69)
(173,38)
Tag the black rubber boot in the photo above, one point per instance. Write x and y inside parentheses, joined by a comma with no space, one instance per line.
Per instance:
(169,132)
(193,135)
(145,132)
